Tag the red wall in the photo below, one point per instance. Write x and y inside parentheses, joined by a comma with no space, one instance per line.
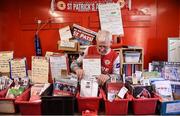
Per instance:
(148,29)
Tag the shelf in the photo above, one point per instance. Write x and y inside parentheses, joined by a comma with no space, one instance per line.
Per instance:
(128,68)
(132,63)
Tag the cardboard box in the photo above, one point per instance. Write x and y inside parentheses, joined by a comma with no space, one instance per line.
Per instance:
(75,48)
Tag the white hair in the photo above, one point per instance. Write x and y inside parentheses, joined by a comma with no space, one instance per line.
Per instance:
(104,35)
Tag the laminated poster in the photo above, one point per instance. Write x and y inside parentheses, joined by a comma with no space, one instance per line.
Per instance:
(58,63)
(5,56)
(18,68)
(40,69)
(92,66)
(110,18)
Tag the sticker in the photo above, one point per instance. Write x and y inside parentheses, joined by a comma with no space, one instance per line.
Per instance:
(61,5)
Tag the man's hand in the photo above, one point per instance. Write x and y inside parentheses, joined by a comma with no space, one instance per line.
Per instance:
(79,73)
(102,79)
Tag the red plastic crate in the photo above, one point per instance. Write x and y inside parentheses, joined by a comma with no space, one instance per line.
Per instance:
(116,107)
(7,105)
(89,113)
(88,103)
(145,106)
(26,107)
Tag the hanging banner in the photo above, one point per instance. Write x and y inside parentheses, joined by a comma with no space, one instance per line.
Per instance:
(86,5)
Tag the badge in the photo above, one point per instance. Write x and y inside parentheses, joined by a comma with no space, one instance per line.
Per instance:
(107,62)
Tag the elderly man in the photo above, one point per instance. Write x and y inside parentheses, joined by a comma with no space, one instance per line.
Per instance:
(110,61)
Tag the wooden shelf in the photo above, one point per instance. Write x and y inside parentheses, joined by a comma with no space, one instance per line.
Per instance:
(132,63)
(133,66)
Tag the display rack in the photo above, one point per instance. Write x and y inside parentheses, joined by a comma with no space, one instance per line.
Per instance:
(131,60)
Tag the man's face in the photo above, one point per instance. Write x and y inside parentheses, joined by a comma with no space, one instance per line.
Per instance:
(102,47)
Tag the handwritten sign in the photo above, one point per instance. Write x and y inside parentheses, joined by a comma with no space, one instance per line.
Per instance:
(40,69)
(110,18)
(65,33)
(5,56)
(18,68)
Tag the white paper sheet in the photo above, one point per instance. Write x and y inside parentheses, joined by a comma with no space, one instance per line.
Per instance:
(173,107)
(5,56)
(57,63)
(92,66)
(18,68)
(40,69)
(89,88)
(65,33)
(110,18)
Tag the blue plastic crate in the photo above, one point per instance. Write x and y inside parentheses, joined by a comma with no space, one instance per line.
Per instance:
(170,107)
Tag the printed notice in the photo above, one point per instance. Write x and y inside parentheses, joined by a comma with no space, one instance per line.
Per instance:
(18,68)
(5,56)
(40,69)
(57,63)
(92,66)
(110,18)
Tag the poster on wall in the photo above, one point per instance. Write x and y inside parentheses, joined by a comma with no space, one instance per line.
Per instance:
(110,18)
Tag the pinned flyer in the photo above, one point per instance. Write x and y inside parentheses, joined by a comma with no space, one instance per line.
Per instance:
(122,92)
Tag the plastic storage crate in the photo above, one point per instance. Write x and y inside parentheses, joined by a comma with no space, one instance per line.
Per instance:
(63,105)
(88,103)
(132,56)
(26,107)
(7,105)
(89,113)
(145,106)
(168,107)
(116,107)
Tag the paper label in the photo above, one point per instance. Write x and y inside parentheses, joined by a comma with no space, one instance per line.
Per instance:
(172,107)
(67,44)
(122,92)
